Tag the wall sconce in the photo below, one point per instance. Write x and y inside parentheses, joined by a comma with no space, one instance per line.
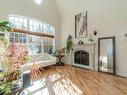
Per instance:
(94,32)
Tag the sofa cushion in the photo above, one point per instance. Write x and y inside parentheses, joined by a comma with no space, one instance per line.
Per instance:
(42,60)
(38,57)
(45,63)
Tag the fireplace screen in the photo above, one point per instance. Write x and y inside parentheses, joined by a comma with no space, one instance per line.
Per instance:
(81,57)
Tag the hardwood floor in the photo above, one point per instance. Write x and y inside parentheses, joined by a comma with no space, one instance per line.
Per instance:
(67,80)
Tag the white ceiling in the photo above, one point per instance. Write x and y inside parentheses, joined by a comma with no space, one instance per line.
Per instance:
(68,6)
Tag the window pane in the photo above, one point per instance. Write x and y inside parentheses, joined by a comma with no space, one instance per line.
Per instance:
(40,27)
(32,39)
(24,38)
(16,35)
(20,38)
(21,20)
(34,49)
(39,48)
(25,21)
(11,19)
(45,28)
(12,35)
(31,22)
(11,40)
(16,40)
(24,26)
(16,19)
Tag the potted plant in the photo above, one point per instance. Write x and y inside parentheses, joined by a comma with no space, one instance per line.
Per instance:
(9,76)
(8,83)
(66,50)
(69,45)
(14,57)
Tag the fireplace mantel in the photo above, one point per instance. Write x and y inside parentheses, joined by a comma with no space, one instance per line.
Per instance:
(83,45)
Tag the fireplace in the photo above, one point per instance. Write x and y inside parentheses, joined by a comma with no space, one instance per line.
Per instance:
(81,57)
(84,56)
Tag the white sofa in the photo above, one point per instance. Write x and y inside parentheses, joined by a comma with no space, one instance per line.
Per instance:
(42,60)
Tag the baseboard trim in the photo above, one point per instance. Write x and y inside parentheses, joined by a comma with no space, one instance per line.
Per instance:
(80,67)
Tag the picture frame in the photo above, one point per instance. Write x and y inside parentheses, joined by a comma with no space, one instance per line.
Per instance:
(81,28)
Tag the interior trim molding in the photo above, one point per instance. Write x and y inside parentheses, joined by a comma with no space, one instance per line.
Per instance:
(32,33)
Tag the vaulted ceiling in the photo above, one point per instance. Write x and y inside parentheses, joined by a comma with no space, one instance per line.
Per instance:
(66,7)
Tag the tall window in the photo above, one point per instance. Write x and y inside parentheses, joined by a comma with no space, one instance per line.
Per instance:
(35,44)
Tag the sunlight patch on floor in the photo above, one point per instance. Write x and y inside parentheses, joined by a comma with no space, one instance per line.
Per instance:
(35,88)
(54,84)
(66,87)
(55,77)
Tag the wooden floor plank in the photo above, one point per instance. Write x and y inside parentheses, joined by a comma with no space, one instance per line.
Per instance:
(67,80)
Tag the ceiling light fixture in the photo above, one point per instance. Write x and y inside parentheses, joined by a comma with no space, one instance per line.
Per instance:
(38,1)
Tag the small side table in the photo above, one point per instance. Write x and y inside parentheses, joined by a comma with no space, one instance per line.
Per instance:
(59,63)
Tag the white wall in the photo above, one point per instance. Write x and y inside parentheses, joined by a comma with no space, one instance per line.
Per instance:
(108,17)
(46,12)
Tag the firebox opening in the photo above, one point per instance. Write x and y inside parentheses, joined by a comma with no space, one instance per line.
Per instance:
(81,57)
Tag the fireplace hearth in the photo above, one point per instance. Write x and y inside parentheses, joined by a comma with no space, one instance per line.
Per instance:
(81,57)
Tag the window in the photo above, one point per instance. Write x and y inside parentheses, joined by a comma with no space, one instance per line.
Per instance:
(48,45)
(17,38)
(34,44)
(19,22)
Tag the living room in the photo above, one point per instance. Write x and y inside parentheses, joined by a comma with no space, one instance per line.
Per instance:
(63,47)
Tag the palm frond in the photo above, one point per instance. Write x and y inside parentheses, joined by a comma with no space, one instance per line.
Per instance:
(35,70)
(4,25)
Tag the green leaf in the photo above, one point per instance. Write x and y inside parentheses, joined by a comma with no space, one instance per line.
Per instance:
(4,25)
